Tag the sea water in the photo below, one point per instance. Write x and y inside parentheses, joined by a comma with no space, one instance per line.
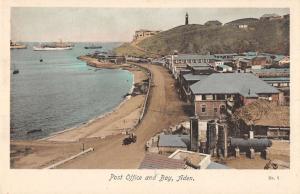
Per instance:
(61,91)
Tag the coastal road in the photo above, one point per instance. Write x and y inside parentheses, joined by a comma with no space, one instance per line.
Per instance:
(165,109)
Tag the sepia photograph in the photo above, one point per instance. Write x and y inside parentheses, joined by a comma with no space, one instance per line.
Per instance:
(164,94)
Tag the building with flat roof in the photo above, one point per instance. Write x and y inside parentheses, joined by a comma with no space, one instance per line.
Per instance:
(179,62)
(219,94)
(228,56)
(282,84)
(223,68)
(278,82)
(248,61)
(170,143)
(193,159)
(142,34)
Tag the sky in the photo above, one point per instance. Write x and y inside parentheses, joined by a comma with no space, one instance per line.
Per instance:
(113,24)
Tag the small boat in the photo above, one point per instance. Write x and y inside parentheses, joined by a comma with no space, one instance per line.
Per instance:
(16,71)
(14,45)
(93,47)
(34,131)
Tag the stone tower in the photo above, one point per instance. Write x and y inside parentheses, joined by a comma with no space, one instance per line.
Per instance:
(186,19)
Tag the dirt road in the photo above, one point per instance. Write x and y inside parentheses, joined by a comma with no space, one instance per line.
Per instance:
(164,109)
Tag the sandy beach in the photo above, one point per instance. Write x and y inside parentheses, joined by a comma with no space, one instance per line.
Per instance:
(164,109)
(124,117)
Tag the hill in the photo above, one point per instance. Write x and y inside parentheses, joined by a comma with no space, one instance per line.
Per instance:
(243,21)
(262,36)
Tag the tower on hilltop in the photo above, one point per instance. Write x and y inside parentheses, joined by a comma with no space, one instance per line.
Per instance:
(186,19)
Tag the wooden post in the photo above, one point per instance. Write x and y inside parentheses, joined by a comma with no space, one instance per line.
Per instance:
(252,153)
(237,152)
(266,154)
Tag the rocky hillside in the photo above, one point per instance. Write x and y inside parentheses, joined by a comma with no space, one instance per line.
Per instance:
(262,36)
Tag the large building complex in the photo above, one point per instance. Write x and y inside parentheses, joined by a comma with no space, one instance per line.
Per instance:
(178,62)
(219,93)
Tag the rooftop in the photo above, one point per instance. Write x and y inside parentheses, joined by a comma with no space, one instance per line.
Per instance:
(276,79)
(250,53)
(157,161)
(229,54)
(265,113)
(245,84)
(279,57)
(193,56)
(250,57)
(215,165)
(271,70)
(192,77)
(173,140)
(224,66)
(193,159)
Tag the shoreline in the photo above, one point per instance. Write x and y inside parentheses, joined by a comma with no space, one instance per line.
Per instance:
(109,153)
(86,123)
(69,134)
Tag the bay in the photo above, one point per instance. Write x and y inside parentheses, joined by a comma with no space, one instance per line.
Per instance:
(61,91)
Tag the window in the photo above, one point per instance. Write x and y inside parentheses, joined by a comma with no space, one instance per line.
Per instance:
(222,109)
(209,97)
(215,110)
(220,97)
(203,97)
(203,108)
